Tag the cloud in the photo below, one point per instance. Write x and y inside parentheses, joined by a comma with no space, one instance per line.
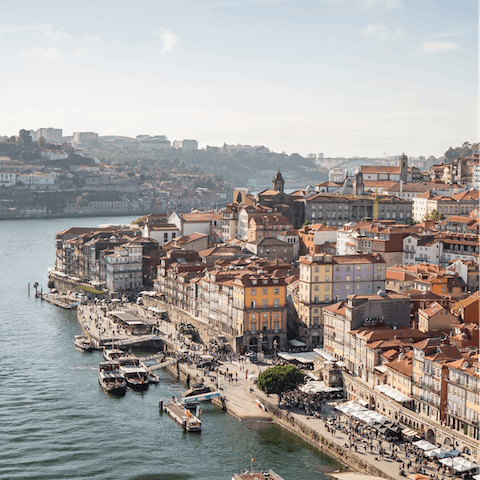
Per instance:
(80,51)
(56,35)
(93,37)
(437,47)
(169,40)
(20,28)
(381,31)
(36,52)
(383,4)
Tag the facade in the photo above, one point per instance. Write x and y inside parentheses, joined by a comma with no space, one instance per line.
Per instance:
(336,209)
(435,317)
(271,249)
(260,311)
(8,179)
(327,278)
(185,144)
(81,139)
(124,268)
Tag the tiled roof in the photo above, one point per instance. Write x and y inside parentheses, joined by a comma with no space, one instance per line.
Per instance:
(379,169)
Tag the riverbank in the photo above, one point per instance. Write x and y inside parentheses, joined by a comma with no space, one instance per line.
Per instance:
(247,403)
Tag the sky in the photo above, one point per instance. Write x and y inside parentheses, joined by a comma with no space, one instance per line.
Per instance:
(340,77)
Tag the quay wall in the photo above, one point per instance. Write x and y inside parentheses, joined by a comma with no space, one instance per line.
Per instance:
(64,285)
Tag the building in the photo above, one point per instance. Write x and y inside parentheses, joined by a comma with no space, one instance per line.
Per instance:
(312,237)
(382,172)
(435,317)
(271,249)
(260,311)
(195,242)
(81,139)
(336,209)
(8,179)
(261,225)
(197,222)
(185,144)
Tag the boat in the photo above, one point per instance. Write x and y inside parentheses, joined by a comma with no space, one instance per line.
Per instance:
(153,377)
(112,354)
(260,475)
(111,378)
(135,375)
(84,343)
(182,414)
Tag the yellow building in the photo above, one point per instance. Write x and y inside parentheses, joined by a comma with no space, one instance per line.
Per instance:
(260,311)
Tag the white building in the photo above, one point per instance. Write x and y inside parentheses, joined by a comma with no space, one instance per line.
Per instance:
(346,236)
(162,233)
(421,249)
(185,144)
(336,175)
(124,268)
(82,138)
(7,179)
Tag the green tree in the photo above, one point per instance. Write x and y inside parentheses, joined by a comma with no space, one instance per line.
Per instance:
(306,222)
(434,215)
(41,142)
(280,379)
(24,137)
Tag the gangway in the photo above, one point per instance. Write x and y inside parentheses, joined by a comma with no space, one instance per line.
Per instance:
(200,398)
(135,340)
(156,366)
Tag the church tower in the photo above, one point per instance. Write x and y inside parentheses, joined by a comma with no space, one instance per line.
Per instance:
(358,186)
(403,164)
(278,183)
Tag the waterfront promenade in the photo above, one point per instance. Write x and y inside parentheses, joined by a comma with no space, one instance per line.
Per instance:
(240,394)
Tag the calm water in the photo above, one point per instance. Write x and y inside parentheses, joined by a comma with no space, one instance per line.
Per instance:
(55,422)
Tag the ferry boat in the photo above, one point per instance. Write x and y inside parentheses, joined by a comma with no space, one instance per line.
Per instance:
(111,379)
(84,343)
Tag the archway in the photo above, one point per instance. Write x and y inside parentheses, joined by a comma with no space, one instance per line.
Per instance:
(430,436)
(466,451)
(253,344)
(448,441)
(265,344)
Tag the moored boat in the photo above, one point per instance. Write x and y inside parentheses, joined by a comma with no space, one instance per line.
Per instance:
(112,354)
(111,379)
(261,475)
(84,343)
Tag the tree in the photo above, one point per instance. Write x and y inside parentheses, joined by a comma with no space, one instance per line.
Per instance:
(24,137)
(306,222)
(280,379)
(41,142)
(434,215)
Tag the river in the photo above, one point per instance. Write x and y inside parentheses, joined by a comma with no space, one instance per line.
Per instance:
(55,421)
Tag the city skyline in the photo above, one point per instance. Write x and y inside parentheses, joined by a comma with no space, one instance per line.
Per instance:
(346,78)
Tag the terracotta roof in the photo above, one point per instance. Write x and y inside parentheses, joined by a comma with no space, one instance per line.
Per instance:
(432,310)
(201,216)
(379,169)
(268,193)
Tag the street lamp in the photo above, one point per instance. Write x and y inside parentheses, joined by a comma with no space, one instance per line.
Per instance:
(260,347)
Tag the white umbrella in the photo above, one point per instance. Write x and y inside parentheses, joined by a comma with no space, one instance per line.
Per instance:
(424,445)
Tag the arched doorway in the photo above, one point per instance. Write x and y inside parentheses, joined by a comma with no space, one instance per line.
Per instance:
(253,344)
(448,441)
(430,436)
(315,339)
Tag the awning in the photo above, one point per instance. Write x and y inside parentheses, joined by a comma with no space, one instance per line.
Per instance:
(459,464)
(408,432)
(424,445)
(317,387)
(303,357)
(297,343)
(392,393)
(325,355)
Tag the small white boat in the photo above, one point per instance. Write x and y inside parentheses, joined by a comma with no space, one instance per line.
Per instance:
(84,343)
(112,354)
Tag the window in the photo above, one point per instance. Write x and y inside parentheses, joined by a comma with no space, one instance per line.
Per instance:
(264,326)
(275,327)
(327,298)
(315,320)
(264,303)
(337,268)
(327,268)
(253,304)
(315,288)
(347,278)
(316,279)
(358,268)
(337,287)
(327,288)
(276,302)
(265,315)
(264,291)
(254,291)
(276,291)
(253,327)
(327,278)
(347,287)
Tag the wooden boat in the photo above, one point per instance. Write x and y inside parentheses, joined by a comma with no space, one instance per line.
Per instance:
(135,375)
(111,379)
(84,343)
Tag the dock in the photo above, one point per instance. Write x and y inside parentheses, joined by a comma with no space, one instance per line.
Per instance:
(183,416)
(62,301)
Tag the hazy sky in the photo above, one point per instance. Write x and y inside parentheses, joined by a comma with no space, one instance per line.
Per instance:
(342,77)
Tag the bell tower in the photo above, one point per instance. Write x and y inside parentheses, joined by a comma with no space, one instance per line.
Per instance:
(403,164)
(278,183)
